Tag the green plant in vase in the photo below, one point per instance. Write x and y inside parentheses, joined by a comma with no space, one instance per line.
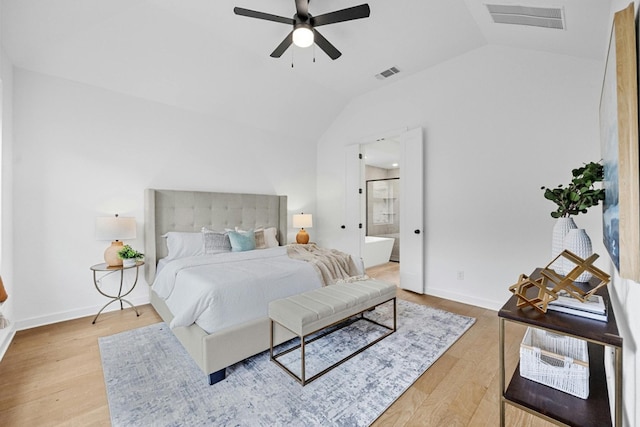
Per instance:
(573,199)
(129,255)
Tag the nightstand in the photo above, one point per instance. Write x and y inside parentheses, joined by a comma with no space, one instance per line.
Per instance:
(106,270)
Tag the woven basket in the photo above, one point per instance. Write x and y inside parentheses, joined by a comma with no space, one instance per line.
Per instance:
(557,361)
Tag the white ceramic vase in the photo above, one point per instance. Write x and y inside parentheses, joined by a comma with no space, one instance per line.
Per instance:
(560,230)
(578,242)
(129,262)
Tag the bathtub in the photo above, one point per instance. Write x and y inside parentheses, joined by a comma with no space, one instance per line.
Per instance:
(377,250)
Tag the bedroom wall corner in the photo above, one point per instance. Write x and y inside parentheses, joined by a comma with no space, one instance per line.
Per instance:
(491,117)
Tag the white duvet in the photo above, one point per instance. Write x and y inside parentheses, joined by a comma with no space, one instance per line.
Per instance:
(226,289)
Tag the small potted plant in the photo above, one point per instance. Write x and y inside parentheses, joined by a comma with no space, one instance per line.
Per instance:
(129,256)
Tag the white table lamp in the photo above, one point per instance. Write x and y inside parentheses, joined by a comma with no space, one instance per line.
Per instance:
(116,229)
(301,221)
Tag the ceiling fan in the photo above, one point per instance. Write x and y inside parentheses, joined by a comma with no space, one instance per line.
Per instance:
(304,33)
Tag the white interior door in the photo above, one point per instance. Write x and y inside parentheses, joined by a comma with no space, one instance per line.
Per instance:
(353,225)
(412,233)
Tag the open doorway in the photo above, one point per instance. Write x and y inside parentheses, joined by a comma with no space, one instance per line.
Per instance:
(410,208)
(382,202)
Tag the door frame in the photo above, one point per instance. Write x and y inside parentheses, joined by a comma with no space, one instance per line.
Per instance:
(412,270)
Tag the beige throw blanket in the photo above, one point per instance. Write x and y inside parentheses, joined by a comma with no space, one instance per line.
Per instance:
(330,264)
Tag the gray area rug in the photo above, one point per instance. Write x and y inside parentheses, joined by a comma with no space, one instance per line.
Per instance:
(152,381)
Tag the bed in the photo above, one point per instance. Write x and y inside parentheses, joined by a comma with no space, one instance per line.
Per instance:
(213,348)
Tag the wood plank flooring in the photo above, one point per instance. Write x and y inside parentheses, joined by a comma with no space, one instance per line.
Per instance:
(52,375)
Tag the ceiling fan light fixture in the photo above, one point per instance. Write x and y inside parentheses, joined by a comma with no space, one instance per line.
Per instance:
(303,35)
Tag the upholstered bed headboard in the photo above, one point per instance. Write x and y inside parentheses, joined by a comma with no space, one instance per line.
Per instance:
(175,210)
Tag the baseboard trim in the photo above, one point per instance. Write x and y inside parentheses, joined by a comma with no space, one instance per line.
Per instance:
(35,322)
(466,299)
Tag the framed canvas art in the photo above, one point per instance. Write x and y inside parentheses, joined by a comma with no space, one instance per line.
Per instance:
(619,139)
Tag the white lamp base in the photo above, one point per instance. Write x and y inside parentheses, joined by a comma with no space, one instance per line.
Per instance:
(111,254)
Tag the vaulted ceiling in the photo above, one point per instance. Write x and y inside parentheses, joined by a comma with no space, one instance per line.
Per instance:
(199,55)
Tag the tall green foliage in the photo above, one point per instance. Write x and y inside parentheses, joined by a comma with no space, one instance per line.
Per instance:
(580,194)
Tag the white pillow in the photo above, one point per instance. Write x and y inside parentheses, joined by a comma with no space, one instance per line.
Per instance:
(266,238)
(183,244)
(271,237)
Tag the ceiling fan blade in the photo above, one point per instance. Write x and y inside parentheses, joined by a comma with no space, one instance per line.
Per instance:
(282,47)
(355,12)
(302,9)
(261,15)
(324,44)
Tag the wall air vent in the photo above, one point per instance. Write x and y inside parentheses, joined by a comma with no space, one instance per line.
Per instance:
(387,73)
(526,15)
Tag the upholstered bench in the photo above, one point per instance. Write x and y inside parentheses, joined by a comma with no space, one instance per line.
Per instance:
(315,310)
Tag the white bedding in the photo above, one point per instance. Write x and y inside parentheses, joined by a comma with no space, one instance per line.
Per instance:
(226,289)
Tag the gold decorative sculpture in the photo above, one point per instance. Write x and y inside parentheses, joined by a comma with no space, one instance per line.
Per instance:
(540,301)
(551,283)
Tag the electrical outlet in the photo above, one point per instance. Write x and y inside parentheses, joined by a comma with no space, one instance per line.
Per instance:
(460,275)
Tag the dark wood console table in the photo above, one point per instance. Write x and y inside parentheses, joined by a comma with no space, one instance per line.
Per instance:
(554,405)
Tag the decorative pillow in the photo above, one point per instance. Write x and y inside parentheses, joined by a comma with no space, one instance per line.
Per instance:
(215,241)
(242,240)
(183,244)
(259,236)
(271,237)
(266,238)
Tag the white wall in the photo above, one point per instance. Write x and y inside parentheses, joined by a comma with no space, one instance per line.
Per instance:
(82,152)
(6,183)
(499,123)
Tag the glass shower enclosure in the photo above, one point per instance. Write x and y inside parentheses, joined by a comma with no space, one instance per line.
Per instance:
(383,209)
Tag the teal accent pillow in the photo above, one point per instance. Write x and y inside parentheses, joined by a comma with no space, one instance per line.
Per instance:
(242,240)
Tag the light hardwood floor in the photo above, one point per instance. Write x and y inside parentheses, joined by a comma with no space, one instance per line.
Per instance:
(52,375)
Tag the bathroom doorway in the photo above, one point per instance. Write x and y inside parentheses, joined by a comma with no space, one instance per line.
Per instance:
(382,200)
(408,153)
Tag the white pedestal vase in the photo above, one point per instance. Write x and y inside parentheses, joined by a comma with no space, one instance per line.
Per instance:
(578,242)
(560,230)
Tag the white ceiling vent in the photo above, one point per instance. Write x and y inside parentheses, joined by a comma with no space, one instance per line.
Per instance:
(387,73)
(526,15)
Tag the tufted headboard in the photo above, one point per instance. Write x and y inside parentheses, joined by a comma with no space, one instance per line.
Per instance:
(175,210)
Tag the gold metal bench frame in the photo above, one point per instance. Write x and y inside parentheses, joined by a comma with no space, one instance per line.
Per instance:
(302,379)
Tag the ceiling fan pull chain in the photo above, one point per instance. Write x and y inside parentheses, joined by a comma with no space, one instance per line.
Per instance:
(314,53)
(292,49)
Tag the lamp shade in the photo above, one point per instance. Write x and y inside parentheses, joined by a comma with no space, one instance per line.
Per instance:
(115,228)
(302,221)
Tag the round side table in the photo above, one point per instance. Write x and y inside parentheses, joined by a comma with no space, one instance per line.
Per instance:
(106,270)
